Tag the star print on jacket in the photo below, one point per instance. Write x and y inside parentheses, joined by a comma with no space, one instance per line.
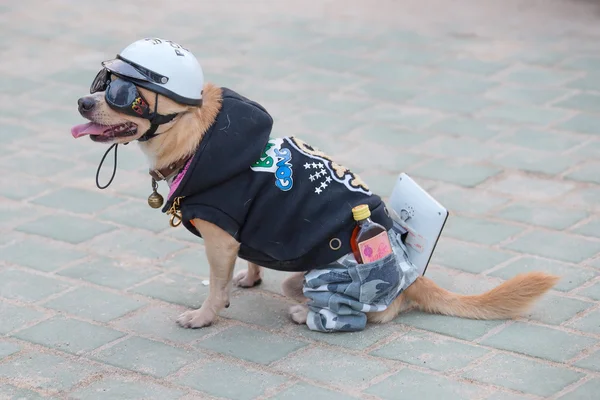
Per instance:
(288,204)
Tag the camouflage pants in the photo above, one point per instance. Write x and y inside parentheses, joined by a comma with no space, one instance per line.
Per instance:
(342,292)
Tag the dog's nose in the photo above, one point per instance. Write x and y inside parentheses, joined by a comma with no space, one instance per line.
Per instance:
(86,103)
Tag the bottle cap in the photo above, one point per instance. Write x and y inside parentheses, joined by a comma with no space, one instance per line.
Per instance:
(361,212)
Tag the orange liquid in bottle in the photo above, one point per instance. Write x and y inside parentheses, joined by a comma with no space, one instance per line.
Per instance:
(369,240)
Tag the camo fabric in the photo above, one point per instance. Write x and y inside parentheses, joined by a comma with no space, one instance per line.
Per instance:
(342,292)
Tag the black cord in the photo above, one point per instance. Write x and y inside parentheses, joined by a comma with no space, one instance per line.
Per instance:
(114,168)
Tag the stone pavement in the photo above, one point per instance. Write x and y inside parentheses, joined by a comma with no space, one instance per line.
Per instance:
(493,106)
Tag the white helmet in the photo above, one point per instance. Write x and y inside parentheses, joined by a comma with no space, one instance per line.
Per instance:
(161,66)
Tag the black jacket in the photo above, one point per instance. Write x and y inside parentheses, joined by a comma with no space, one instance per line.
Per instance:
(287,204)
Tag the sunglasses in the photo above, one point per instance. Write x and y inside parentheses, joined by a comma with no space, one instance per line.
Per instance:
(121,94)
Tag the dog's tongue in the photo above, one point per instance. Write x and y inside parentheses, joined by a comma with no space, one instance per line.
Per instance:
(87,129)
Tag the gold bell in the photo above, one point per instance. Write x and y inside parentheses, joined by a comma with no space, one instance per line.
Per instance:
(155,200)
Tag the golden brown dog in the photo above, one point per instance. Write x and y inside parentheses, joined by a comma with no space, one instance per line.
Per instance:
(180,138)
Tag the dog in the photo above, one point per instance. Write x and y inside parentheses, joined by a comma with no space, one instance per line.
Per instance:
(181,138)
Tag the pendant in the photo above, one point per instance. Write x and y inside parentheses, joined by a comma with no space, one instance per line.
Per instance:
(155,200)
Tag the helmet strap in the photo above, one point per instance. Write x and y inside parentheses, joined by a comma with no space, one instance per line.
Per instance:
(155,121)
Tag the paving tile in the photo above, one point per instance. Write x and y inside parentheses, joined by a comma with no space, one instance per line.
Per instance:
(24,286)
(39,254)
(540,76)
(95,304)
(467,200)
(539,341)
(66,228)
(147,357)
(388,114)
(135,244)
(465,127)
(540,140)
(582,102)
(466,257)
(555,245)
(593,292)
(69,335)
(542,215)
(458,148)
(589,323)
(250,308)
(457,82)
(522,114)
(176,289)
(14,317)
(21,188)
(251,345)
(591,362)
(430,351)
(475,66)
(591,228)
(135,214)
(467,329)
(589,63)
(302,391)
(587,198)
(582,123)
(110,273)
(392,73)
(554,310)
(531,187)
(534,161)
(46,371)
(571,276)
(524,375)
(216,377)
(419,385)
(345,371)
(190,261)
(77,200)
(7,349)
(159,323)
(11,392)
(452,102)
(526,95)
(387,160)
(37,165)
(352,340)
(463,174)
(507,396)
(589,82)
(120,388)
(587,173)
(587,391)
(480,230)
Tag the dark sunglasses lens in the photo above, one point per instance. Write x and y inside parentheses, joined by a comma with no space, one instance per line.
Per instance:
(121,93)
(100,81)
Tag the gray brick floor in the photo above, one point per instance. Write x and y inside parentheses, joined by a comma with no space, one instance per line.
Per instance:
(492,106)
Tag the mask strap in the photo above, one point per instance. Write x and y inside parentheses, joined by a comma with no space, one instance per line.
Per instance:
(115,145)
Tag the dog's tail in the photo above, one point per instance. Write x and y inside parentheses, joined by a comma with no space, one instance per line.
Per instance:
(506,301)
(509,300)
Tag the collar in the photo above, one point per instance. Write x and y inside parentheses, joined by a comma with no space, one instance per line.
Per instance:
(169,171)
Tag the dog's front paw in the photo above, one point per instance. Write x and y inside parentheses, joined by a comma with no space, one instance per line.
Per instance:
(245,280)
(299,313)
(196,319)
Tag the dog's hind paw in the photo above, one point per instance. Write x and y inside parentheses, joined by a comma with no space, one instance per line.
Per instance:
(195,319)
(244,280)
(299,313)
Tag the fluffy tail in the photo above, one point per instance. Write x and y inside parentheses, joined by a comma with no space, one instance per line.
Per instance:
(508,300)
